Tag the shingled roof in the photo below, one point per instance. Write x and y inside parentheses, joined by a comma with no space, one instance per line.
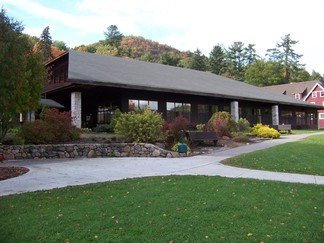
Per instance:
(293,88)
(102,70)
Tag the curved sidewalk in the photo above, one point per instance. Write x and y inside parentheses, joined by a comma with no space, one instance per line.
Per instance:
(49,174)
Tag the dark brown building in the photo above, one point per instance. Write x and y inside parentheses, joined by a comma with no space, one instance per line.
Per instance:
(92,86)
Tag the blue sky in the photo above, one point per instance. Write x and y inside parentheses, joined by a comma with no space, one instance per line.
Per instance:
(183,24)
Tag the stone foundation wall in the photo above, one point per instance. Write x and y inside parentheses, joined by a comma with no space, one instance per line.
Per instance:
(18,152)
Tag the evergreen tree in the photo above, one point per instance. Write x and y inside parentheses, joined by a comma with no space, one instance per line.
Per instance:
(44,44)
(236,61)
(169,59)
(250,55)
(286,56)
(316,76)
(113,37)
(217,60)
(198,61)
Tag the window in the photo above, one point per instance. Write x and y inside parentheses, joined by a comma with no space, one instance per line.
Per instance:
(142,104)
(178,109)
(321,116)
(205,112)
(322,93)
(314,94)
(104,114)
(297,96)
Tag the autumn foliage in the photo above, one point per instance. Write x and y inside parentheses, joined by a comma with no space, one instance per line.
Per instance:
(54,127)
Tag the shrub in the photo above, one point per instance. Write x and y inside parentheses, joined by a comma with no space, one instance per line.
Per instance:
(140,126)
(241,137)
(243,125)
(222,123)
(179,123)
(104,128)
(200,127)
(264,131)
(172,130)
(54,127)
(114,118)
(37,132)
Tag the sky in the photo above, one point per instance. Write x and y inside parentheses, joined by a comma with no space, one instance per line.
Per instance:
(182,24)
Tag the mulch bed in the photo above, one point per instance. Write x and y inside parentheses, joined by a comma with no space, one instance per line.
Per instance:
(10,172)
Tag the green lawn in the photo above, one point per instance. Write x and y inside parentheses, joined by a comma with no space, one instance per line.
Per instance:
(305,157)
(300,131)
(167,209)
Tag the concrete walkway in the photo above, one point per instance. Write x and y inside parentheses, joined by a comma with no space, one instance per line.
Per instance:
(49,174)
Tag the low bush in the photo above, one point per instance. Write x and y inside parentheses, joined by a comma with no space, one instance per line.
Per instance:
(241,137)
(200,127)
(142,126)
(222,123)
(243,125)
(264,131)
(54,127)
(104,128)
(178,124)
(172,130)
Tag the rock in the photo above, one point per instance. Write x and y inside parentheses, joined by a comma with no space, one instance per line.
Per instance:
(156,153)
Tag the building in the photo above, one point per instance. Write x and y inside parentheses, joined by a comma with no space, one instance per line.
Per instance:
(310,91)
(92,86)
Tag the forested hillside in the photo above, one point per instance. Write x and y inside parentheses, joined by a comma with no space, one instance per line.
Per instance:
(239,61)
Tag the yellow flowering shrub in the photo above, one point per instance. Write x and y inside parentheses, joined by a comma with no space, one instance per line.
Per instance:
(264,131)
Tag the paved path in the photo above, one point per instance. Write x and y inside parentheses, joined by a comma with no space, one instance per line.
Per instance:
(49,174)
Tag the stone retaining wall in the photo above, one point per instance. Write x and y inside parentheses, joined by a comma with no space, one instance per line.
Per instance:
(18,152)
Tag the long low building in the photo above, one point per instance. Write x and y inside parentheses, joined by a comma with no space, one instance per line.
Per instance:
(92,86)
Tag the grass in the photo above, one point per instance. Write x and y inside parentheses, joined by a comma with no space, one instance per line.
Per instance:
(103,135)
(167,209)
(301,131)
(304,157)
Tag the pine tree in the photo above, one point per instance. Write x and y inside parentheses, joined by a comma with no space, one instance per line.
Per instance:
(198,61)
(44,45)
(217,60)
(113,37)
(286,56)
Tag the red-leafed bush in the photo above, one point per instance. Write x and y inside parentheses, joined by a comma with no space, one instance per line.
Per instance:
(54,127)
(179,123)
(172,130)
(222,123)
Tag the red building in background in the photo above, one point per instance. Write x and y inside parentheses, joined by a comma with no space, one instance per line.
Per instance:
(310,91)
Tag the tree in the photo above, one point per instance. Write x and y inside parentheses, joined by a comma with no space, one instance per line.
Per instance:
(286,56)
(217,60)
(107,50)
(22,73)
(302,75)
(60,45)
(169,59)
(263,73)
(250,55)
(44,44)
(316,76)
(198,61)
(238,58)
(113,36)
